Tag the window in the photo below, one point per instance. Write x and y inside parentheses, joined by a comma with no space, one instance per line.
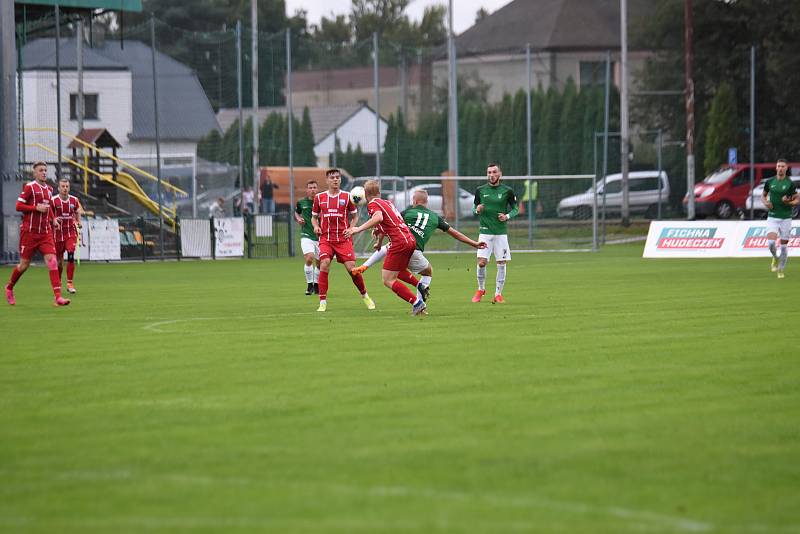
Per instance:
(644,184)
(89,106)
(613,187)
(592,73)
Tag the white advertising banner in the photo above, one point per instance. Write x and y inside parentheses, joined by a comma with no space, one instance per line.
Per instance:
(84,242)
(229,237)
(689,239)
(103,239)
(751,239)
(195,238)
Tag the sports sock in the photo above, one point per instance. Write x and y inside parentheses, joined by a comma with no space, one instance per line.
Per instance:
(425,281)
(376,256)
(784,257)
(481,277)
(772,248)
(60,270)
(402,291)
(323,285)
(15,274)
(500,279)
(316,275)
(358,281)
(55,281)
(70,271)
(309,271)
(408,278)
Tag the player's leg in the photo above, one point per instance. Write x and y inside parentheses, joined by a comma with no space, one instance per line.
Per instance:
(358,280)
(374,258)
(21,267)
(417,264)
(784,233)
(325,255)
(55,280)
(60,248)
(70,247)
(306,245)
(483,258)
(772,237)
(396,262)
(502,254)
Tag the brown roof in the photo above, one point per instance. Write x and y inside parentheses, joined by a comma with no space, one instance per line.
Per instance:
(95,136)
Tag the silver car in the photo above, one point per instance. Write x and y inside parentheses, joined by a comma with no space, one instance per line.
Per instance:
(644,196)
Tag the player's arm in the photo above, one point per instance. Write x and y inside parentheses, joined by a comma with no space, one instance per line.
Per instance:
(51,214)
(512,203)
(375,220)
(298,214)
(25,201)
(464,239)
(315,216)
(765,196)
(477,207)
(791,198)
(78,214)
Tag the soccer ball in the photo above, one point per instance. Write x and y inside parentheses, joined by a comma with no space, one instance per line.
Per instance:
(358,195)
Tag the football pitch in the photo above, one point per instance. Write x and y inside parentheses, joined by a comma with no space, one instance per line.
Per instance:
(609,394)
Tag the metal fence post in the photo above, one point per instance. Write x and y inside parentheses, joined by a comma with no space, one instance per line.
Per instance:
(213,238)
(290,114)
(158,136)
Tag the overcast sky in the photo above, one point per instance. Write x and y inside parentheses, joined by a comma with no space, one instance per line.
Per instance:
(463,10)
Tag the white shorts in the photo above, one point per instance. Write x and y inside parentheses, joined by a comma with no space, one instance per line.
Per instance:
(308,246)
(418,262)
(495,244)
(782,227)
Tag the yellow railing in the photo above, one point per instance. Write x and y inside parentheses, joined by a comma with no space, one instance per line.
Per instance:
(169,212)
(112,157)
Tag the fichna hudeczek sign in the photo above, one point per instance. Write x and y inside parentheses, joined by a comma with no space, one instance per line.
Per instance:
(711,239)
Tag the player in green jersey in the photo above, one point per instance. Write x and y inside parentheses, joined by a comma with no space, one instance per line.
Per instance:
(495,205)
(779,196)
(422,222)
(309,242)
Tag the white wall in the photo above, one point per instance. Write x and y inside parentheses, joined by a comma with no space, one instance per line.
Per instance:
(39,107)
(358,130)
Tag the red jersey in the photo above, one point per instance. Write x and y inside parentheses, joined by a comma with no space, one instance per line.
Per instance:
(333,213)
(35,222)
(65,211)
(393,224)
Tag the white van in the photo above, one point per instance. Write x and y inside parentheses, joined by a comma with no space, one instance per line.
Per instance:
(643,196)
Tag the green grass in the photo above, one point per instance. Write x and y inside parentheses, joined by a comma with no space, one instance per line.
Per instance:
(611,394)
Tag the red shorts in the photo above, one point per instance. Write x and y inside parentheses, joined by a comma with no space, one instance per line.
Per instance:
(397,256)
(68,245)
(343,251)
(29,243)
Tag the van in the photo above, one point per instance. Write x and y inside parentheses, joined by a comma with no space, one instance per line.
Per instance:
(724,192)
(280,177)
(646,189)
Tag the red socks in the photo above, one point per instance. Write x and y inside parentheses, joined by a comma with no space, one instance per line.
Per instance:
(403,292)
(323,285)
(408,278)
(358,281)
(70,271)
(15,274)
(55,281)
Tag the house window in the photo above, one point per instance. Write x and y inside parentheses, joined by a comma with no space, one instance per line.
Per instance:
(592,73)
(89,106)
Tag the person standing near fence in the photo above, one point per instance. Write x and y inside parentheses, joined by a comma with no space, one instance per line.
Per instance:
(267,195)
(495,204)
(309,242)
(68,211)
(329,216)
(779,196)
(249,200)
(36,232)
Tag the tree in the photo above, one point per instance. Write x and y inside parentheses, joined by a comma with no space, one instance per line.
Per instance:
(721,132)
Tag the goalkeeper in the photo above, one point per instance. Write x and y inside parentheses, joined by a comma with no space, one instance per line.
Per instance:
(422,222)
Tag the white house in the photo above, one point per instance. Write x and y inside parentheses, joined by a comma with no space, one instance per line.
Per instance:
(118,96)
(352,125)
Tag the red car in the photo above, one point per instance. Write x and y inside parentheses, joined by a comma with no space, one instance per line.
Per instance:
(725,191)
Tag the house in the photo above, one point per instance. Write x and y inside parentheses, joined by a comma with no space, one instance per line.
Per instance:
(568,39)
(118,96)
(352,124)
(406,87)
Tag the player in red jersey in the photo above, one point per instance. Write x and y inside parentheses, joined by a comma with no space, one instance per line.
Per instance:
(390,223)
(68,210)
(329,216)
(36,232)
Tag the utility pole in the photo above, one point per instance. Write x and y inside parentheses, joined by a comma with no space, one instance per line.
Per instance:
(690,213)
(254,70)
(452,110)
(623,114)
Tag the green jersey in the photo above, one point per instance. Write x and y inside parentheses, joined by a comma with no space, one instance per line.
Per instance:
(423,222)
(777,189)
(496,200)
(303,209)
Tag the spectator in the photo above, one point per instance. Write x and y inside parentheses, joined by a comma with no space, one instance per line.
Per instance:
(249,199)
(237,206)
(267,195)
(217,208)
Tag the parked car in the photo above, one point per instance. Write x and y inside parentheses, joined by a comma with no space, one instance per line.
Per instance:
(643,196)
(759,209)
(403,199)
(724,192)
